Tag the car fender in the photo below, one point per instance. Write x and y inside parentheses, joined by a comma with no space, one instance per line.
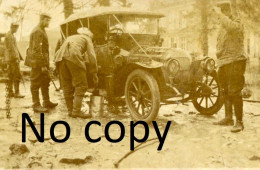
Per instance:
(153,67)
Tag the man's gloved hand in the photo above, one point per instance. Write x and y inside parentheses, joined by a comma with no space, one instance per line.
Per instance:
(95,80)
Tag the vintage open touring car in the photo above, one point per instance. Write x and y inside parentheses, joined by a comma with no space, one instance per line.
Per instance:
(132,63)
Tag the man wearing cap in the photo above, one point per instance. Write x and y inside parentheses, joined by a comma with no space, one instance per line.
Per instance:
(13,58)
(39,52)
(74,59)
(232,64)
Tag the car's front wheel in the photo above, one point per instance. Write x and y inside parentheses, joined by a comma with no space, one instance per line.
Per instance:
(142,95)
(208,98)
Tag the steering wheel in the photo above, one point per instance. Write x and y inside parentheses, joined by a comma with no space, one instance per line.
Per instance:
(117,31)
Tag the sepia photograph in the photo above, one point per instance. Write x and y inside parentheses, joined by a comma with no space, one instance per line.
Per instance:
(128,84)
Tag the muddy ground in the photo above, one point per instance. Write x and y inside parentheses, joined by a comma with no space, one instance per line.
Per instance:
(192,141)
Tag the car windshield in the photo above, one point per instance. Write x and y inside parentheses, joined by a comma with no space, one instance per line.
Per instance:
(135,25)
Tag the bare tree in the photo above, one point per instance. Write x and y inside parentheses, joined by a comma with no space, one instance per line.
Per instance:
(102,3)
(204,5)
(68,8)
(250,12)
(250,8)
(206,22)
(16,13)
(122,3)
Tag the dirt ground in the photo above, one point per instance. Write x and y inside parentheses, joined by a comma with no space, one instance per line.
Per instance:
(192,141)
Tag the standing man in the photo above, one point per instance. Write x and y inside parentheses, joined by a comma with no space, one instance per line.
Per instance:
(13,58)
(74,59)
(40,78)
(232,65)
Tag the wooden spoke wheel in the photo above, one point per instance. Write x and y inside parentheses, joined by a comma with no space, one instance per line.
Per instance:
(208,98)
(142,95)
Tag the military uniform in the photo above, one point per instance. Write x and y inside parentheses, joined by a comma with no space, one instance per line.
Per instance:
(39,51)
(71,58)
(232,64)
(58,45)
(13,57)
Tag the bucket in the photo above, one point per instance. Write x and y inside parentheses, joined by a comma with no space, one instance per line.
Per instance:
(109,83)
(96,108)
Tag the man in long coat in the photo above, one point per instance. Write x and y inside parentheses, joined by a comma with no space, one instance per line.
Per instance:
(75,58)
(40,78)
(13,58)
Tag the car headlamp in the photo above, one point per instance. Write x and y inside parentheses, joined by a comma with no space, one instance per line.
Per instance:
(119,59)
(209,64)
(172,66)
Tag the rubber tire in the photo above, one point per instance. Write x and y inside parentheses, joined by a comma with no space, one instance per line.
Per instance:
(155,93)
(214,109)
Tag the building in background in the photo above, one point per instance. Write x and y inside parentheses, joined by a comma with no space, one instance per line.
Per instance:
(181,28)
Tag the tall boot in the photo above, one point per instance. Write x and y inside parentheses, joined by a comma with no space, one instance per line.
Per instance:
(36,102)
(228,120)
(77,104)
(69,104)
(228,109)
(239,126)
(17,90)
(46,98)
(10,88)
(238,106)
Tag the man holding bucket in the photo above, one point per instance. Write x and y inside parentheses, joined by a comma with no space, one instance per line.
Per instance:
(74,59)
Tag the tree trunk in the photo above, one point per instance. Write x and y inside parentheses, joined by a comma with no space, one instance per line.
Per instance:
(104,2)
(234,7)
(124,3)
(204,23)
(68,8)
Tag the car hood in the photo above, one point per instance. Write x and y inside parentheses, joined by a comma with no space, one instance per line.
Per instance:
(161,54)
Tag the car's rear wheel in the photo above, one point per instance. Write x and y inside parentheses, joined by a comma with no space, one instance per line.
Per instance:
(142,95)
(208,98)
